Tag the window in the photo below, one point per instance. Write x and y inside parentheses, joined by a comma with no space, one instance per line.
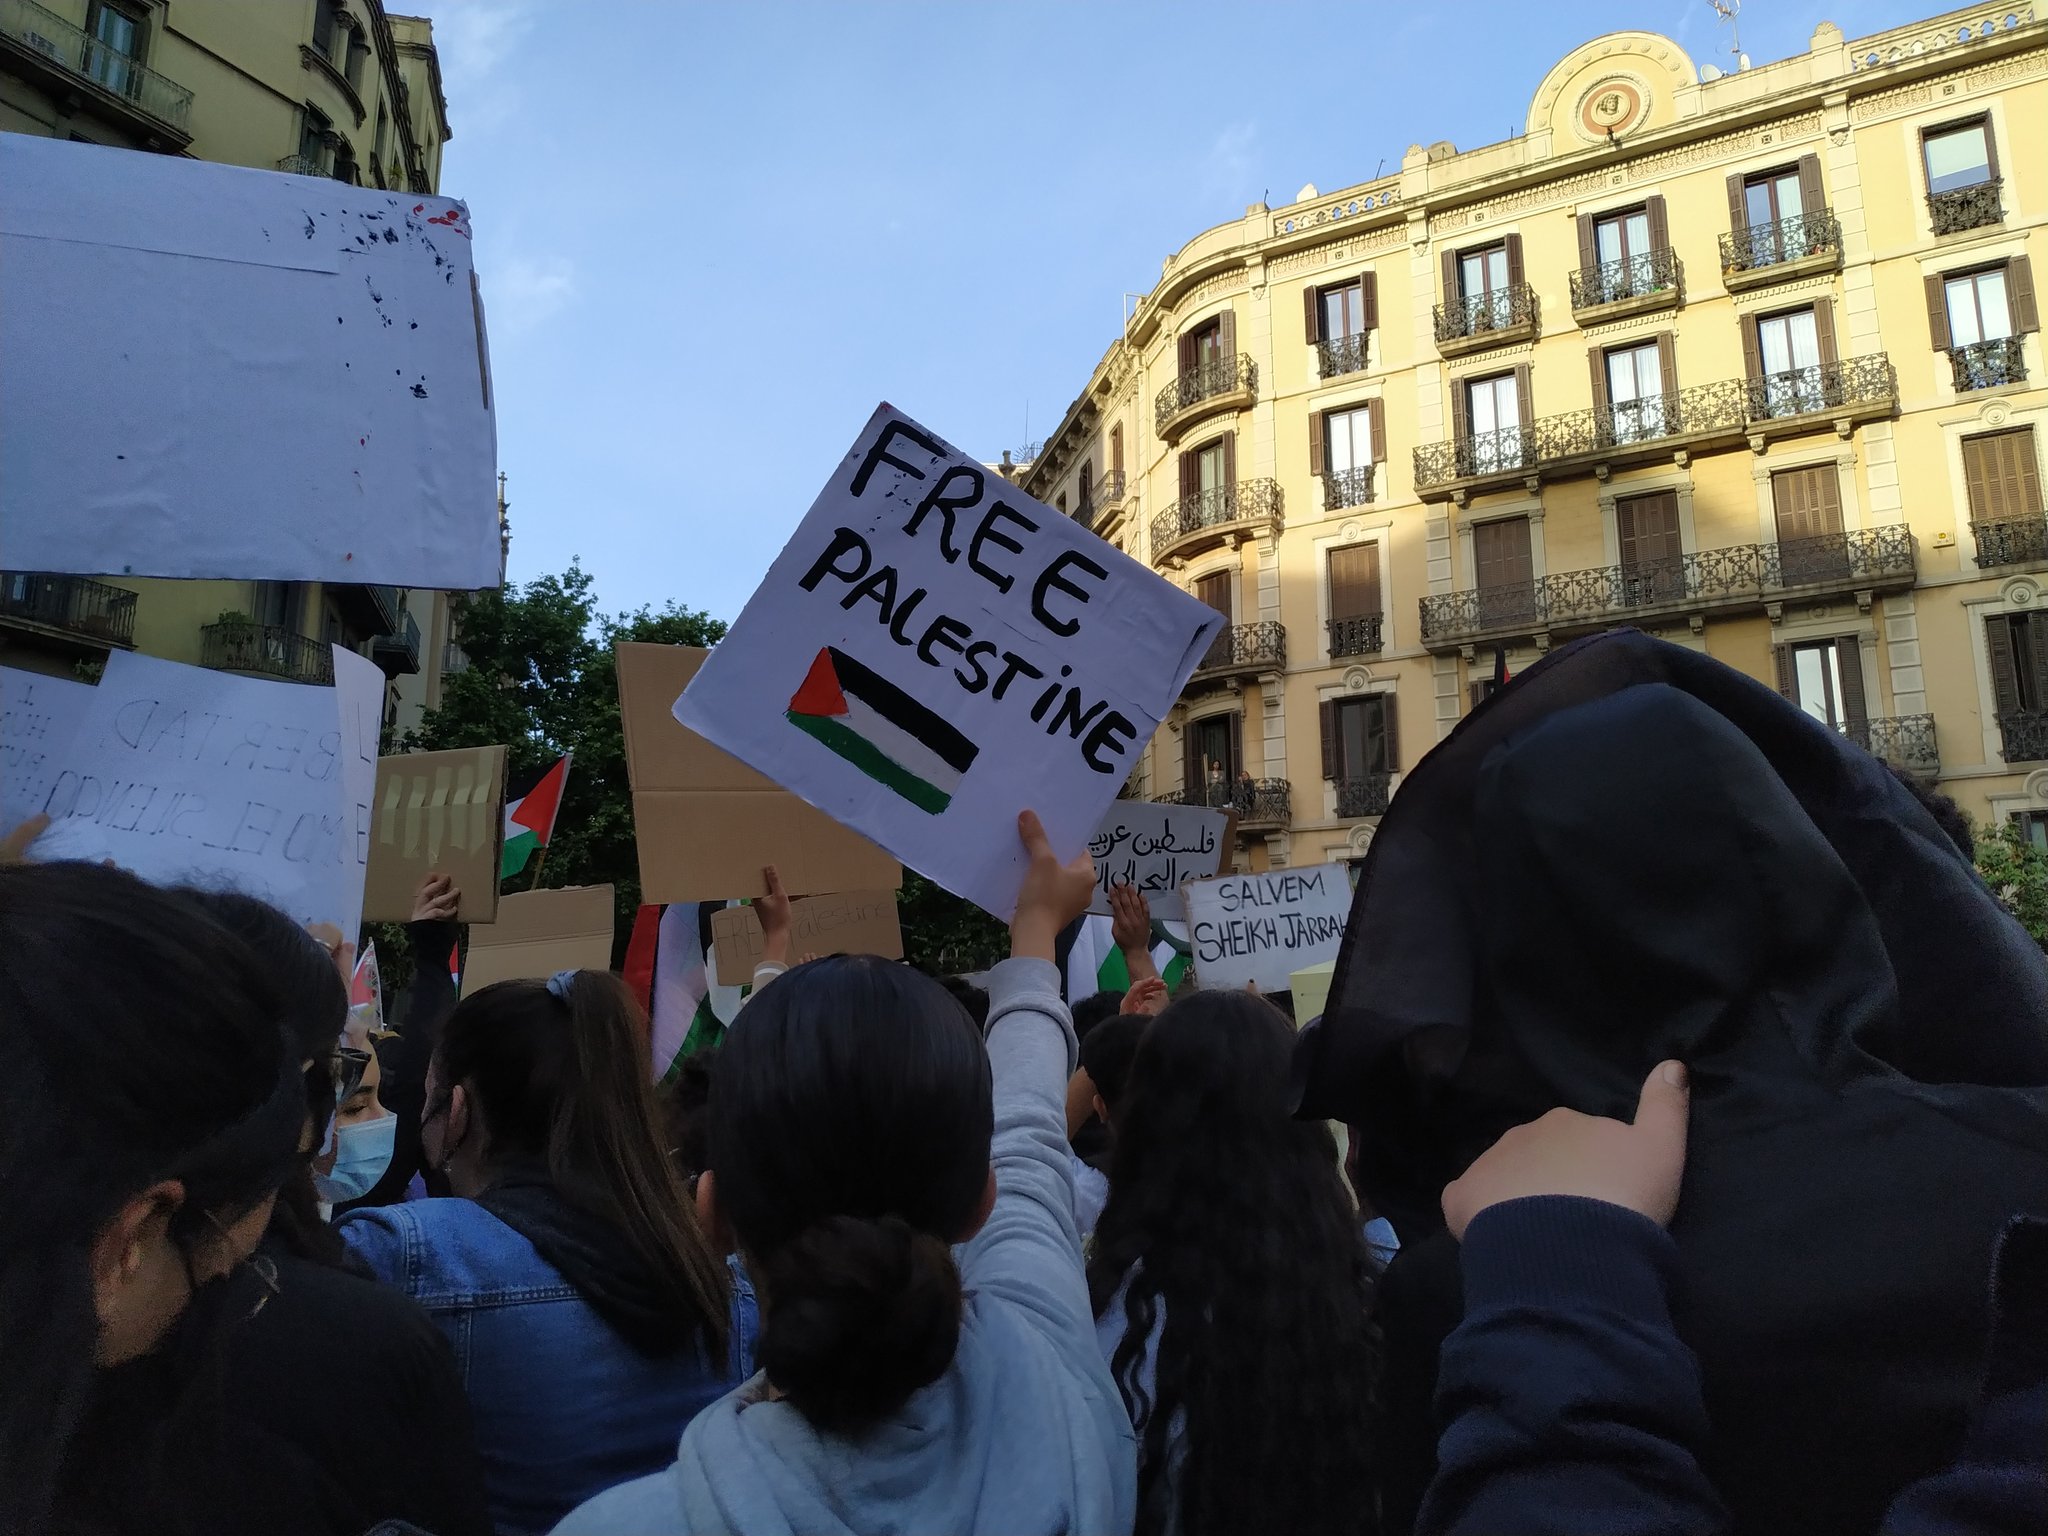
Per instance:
(1622,235)
(358,51)
(277,604)
(1825,679)
(1483,273)
(1208,344)
(1116,450)
(345,164)
(2033,826)
(1493,411)
(1958,156)
(1977,318)
(1623,255)
(326,24)
(1503,571)
(1652,561)
(1787,356)
(1359,751)
(1085,490)
(2016,644)
(1210,461)
(315,131)
(1343,446)
(1206,491)
(1214,589)
(1635,391)
(1777,215)
(1977,310)
(1356,614)
(114,50)
(1339,319)
(1212,759)
(1483,290)
(1772,197)
(1808,507)
(381,146)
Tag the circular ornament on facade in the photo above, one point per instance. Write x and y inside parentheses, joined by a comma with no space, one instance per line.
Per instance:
(2037,784)
(1996,413)
(1616,105)
(2021,593)
(1361,836)
(1357,679)
(1350,531)
(1818,611)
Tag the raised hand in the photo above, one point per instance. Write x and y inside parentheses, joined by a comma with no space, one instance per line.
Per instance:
(15,845)
(1053,895)
(437,900)
(1147,997)
(771,908)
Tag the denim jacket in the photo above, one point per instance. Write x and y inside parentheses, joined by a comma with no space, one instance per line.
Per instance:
(564,1406)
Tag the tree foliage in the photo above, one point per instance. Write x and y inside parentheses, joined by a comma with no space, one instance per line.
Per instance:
(2018,875)
(945,935)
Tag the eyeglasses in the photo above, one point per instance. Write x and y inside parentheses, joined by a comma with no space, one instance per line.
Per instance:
(262,1266)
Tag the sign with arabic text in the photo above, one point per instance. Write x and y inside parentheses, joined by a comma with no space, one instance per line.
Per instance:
(1157,849)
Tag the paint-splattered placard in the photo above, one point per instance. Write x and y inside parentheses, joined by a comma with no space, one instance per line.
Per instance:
(212,371)
(934,652)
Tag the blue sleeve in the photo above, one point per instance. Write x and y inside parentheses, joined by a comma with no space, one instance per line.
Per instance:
(1569,1404)
(376,1236)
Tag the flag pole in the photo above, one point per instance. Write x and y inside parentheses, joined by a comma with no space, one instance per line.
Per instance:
(538,864)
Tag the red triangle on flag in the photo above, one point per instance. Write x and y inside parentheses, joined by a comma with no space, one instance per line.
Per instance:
(820,693)
(538,807)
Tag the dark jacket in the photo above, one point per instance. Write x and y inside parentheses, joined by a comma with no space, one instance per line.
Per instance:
(1570,1405)
(404,1056)
(1634,852)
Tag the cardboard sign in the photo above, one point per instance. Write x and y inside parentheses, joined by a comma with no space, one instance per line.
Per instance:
(1262,928)
(182,774)
(850,923)
(539,933)
(704,821)
(1157,849)
(934,652)
(436,812)
(217,371)
(1311,988)
(38,718)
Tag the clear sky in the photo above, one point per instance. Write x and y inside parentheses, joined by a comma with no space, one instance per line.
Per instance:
(713,236)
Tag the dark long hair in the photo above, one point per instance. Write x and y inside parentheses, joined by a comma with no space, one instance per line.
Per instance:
(1231,1218)
(566,1084)
(142,1044)
(851,1113)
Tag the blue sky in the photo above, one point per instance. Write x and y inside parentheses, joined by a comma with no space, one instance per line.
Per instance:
(713,236)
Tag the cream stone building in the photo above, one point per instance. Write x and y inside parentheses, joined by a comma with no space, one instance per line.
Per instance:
(316,87)
(1750,360)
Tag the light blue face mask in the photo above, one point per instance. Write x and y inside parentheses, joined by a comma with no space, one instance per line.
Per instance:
(361,1154)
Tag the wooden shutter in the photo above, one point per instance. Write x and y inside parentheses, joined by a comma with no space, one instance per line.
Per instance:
(1596,360)
(1116,448)
(1452,292)
(1812,197)
(1354,581)
(2005,673)
(1230,461)
(2033,630)
(1660,224)
(2003,474)
(1327,713)
(1807,502)
(1190,475)
(1788,681)
(1524,405)
(1738,205)
(1752,350)
(1824,329)
(1849,661)
(1236,748)
(1191,763)
(1589,245)
(1461,409)
(1937,310)
(1515,276)
(1226,338)
(1390,722)
(1214,589)
(1667,375)
(1376,411)
(1314,314)
(1646,528)
(1500,554)
(1187,352)
(2019,296)
(1369,301)
(1315,443)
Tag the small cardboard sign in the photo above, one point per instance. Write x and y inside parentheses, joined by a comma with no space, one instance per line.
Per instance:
(1157,849)
(704,822)
(539,933)
(849,923)
(436,812)
(1262,928)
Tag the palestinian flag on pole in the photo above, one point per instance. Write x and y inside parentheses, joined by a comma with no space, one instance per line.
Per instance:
(889,736)
(667,969)
(531,804)
(1095,964)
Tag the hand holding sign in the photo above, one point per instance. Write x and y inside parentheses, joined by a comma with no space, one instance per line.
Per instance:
(437,900)
(772,908)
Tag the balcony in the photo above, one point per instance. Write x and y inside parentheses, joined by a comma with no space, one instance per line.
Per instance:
(1243,650)
(1110,491)
(1989,364)
(367,610)
(1227,384)
(1340,355)
(1966,208)
(1904,741)
(1633,285)
(2010,541)
(1347,487)
(66,60)
(265,650)
(1491,319)
(69,607)
(2025,735)
(398,653)
(301,165)
(1358,636)
(1225,515)
(454,659)
(1740,578)
(1262,805)
(1800,246)
(1366,796)
(1655,427)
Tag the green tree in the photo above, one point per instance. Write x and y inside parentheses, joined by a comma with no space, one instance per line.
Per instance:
(943,934)
(2018,875)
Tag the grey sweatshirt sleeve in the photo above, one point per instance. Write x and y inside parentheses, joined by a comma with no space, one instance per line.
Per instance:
(1029,1252)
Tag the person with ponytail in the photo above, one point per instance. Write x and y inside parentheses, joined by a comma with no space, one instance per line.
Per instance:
(899,1189)
(590,1318)
(149,1110)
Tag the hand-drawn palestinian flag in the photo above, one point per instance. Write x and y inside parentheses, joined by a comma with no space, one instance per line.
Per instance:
(885,733)
(1095,964)
(531,803)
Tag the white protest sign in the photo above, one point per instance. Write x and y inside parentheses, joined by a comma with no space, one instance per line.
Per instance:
(1156,849)
(1262,928)
(185,774)
(934,652)
(38,718)
(207,370)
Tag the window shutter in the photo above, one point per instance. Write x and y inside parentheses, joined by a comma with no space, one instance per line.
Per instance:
(1354,577)
(1596,360)
(1667,375)
(1477,692)
(1370,598)
(1625,531)
(1452,292)
(1376,410)
(1937,310)
(1315,442)
(1752,350)
(1514,244)
(2005,678)
(2003,475)
(1524,406)
(1824,329)
(1390,722)
(1812,196)
(1849,659)
(1461,410)
(1660,224)
(1327,713)
(1191,764)
(1116,448)
(1313,316)
(1226,338)
(2019,296)
(1187,352)
(1589,248)
(1781,658)
(1369,301)
(1738,205)
(1230,462)
(1991,151)
(1237,762)
(1190,476)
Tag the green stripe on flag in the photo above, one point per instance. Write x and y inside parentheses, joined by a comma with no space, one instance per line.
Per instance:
(865,756)
(517,851)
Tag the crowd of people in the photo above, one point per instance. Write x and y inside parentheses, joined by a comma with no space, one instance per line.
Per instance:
(905,1254)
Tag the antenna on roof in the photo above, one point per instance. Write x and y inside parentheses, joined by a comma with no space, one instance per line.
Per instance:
(1728,10)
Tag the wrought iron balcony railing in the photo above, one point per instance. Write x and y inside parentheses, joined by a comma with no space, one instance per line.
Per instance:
(1337,355)
(1782,240)
(1258,802)
(1246,501)
(81,54)
(454,658)
(266,648)
(1204,382)
(301,165)
(1727,405)
(1988,364)
(1347,487)
(1109,490)
(76,605)
(2010,541)
(1357,636)
(1631,277)
(1364,796)
(1480,314)
(1907,741)
(398,653)
(1739,575)
(2025,733)
(1963,208)
(1245,648)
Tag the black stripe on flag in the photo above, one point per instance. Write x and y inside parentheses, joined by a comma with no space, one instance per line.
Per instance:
(904,712)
